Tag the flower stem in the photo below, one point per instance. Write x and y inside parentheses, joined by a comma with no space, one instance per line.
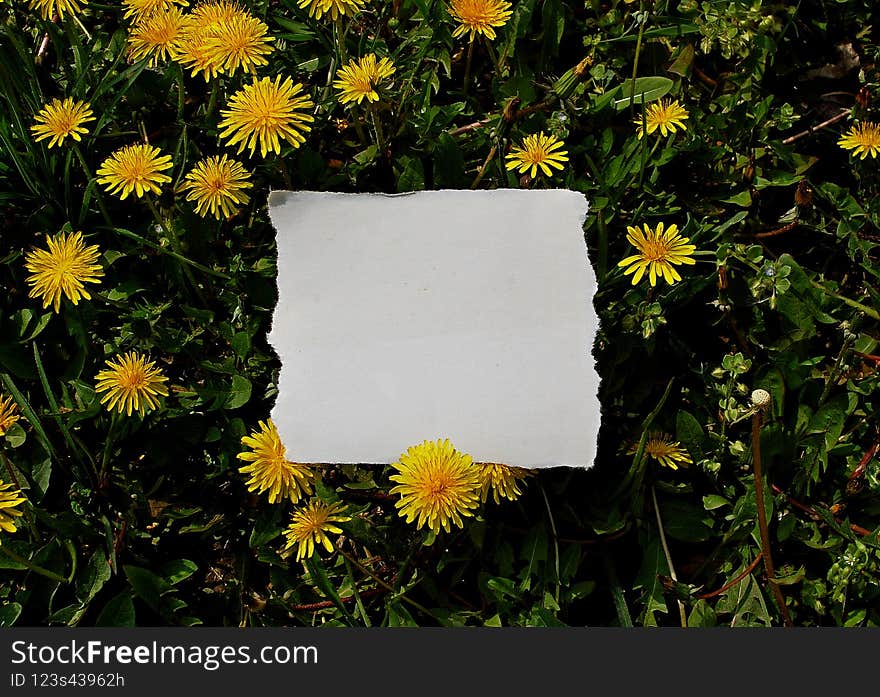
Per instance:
(467,68)
(212,100)
(181,93)
(681,613)
(340,41)
(175,243)
(377,124)
(31,566)
(762,519)
(493,57)
(98,195)
(635,73)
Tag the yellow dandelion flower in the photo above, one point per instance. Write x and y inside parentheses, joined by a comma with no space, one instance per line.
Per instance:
(195,51)
(242,42)
(863,138)
(333,8)
(438,485)
(658,250)
(359,79)
(666,451)
(140,9)
(538,150)
(135,168)
(479,16)
(666,115)
(132,382)
(60,119)
(502,480)
(49,9)
(210,15)
(265,112)
(195,54)
(311,526)
(158,36)
(8,414)
(10,500)
(63,269)
(217,184)
(269,468)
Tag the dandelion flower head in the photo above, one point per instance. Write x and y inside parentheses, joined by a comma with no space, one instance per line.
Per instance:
(359,79)
(665,115)
(264,113)
(332,8)
(10,499)
(242,42)
(63,270)
(479,17)
(131,383)
(269,468)
(49,9)
(502,481)
(863,139)
(311,526)
(217,185)
(159,36)
(658,252)
(61,119)
(135,168)
(438,485)
(8,414)
(139,9)
(664,450)
(538,151)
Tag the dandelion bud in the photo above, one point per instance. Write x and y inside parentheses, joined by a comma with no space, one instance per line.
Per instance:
(761,399)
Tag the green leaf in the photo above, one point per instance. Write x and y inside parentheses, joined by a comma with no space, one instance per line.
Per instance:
(9,613)
(645,89)
(177,570)
(92,578)
(239,393)
(653,565)
(148,586)
(118,612)
(319,575)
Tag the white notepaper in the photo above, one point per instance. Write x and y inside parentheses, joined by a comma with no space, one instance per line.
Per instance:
(465,315)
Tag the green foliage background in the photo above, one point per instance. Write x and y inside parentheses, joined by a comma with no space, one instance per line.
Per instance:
(148,521)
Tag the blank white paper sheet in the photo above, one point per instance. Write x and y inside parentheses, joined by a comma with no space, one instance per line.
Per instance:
(465,315)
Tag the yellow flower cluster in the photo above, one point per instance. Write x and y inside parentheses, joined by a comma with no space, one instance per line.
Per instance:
(438,488)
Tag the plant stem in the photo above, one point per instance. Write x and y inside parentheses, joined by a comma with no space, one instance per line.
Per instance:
(98,195)
(872,313)
(762,519)
(493,57)
(171,253)
(212,100)
(635,73)
(492,152)
(364,570)
(340,41)
(467,68)
(175,243)
(181,93)
(31,566)
(681,612)
(377,124)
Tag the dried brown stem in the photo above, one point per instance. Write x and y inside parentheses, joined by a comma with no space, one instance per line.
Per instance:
(812,129)
(727,586)
(762,519)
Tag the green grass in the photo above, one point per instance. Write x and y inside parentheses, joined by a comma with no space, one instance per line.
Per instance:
(148,521)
